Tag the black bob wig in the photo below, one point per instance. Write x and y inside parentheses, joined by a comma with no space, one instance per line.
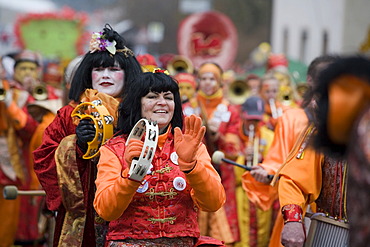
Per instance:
(82,79)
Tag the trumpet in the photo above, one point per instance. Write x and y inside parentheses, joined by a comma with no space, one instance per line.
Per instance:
(40,92)
(180,64)
(238,92)
(2,91)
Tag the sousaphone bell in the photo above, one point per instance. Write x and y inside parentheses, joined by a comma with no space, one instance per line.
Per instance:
(238,92)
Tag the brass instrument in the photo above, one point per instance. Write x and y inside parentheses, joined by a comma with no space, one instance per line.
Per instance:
(286,96)
(302,88)
(40,92)
(275,112)
(2,91)
(180,64)
(253,141)
(103,122)
(238,92)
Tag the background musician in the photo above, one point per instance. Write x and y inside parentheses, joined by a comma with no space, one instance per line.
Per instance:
(222,122)
(273,107)
(22,119)
(255,223)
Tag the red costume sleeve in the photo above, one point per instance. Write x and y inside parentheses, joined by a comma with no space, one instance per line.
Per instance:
(45,166)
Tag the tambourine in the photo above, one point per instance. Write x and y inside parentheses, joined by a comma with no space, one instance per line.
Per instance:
(139,167)
(103,123)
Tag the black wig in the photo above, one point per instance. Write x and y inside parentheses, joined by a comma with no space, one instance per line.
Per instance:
(129,111)
(82,79)
(355,65)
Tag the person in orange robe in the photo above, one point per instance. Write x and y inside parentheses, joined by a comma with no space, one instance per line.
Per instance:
(343,130)
(222,122)
(160,207)
(290,127)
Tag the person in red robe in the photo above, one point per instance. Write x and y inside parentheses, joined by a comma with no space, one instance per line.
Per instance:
(68,179)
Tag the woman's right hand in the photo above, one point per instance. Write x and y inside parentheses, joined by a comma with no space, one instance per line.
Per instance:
(133,150)
(260,174)
(293,234)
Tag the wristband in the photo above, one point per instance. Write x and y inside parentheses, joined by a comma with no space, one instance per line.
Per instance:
(292,213)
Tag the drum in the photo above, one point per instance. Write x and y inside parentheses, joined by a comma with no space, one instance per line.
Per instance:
(327,232)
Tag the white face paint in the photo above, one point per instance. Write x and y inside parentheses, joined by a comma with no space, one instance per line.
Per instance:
(208,83)
(158,107)
(108,80)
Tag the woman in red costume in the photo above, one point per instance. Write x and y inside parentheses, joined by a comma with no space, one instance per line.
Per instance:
(67,178)
(161,209)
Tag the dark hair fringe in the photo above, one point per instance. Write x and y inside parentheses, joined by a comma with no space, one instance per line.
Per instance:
(129,111)
(358,66)
(313,71)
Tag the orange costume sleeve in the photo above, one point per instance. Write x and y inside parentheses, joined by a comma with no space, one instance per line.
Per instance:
(301,179)
(207,191)
(115,193)
(287,132)
(18,116)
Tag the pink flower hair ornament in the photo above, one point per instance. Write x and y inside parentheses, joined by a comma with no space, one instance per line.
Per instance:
(98,42)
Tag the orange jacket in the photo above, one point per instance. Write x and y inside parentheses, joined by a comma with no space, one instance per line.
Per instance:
(116,194)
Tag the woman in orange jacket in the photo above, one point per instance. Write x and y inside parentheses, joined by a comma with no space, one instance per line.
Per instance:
(161,209)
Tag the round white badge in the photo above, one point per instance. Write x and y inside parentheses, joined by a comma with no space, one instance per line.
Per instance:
(174,157)
(143,187)
(179,183)
(150,169)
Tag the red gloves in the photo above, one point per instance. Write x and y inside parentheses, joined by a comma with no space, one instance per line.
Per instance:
(133,150)
(187,143)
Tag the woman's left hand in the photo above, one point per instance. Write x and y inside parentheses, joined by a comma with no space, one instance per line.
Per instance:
(187,143)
